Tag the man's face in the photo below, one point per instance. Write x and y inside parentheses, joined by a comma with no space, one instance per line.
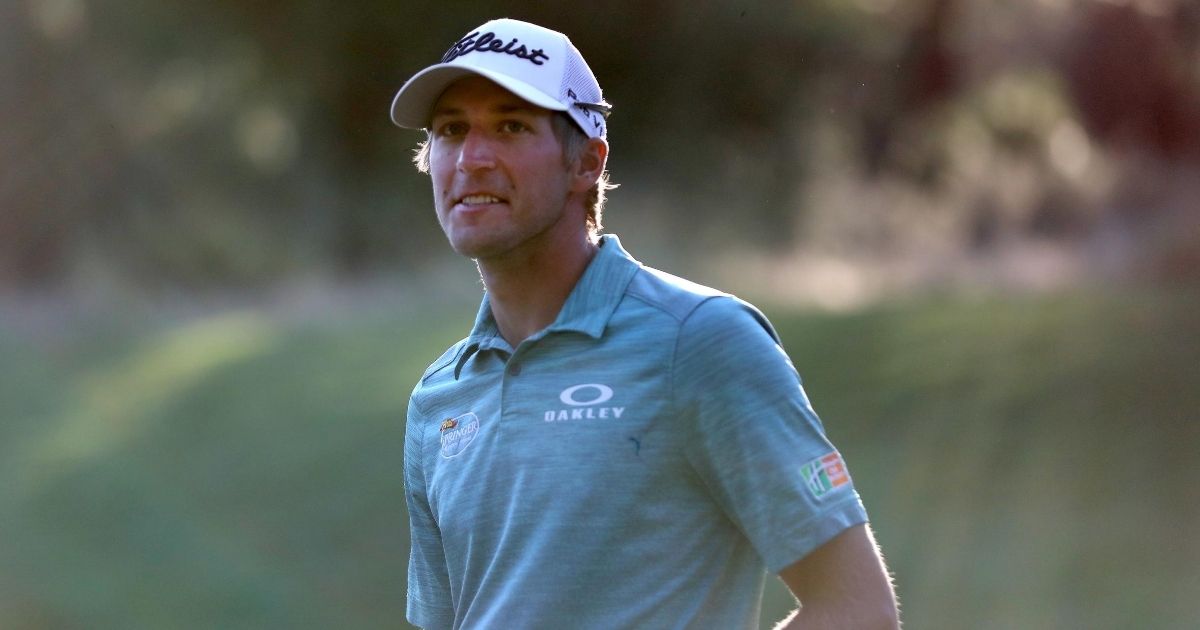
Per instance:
(499,178)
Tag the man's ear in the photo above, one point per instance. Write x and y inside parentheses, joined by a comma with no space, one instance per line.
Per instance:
(590,165)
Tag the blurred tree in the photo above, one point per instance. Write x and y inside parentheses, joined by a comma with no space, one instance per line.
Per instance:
(1132,76)
(239,143)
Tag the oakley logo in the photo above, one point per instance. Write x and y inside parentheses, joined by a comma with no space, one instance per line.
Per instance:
(602,394)
(489,43)
(583,400)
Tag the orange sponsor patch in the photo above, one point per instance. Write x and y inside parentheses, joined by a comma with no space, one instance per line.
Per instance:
(836,469)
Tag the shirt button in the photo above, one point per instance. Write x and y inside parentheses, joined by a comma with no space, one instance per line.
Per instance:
(514,369)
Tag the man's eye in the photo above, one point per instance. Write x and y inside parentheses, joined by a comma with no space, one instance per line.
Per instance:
(513,126)
(452,129)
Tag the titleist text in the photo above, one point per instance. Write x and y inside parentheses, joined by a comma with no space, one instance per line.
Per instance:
(488,42)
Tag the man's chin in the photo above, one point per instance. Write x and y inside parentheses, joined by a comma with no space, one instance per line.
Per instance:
(477,249)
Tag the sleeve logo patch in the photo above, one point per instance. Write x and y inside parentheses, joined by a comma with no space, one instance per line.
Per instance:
(825,474)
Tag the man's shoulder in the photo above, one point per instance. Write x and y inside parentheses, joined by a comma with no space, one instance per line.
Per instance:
(671,294)
(698,305)
(444,362)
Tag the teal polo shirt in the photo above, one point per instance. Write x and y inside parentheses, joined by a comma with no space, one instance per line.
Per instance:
(643,462)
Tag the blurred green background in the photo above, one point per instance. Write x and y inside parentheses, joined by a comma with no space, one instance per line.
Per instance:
(975,223)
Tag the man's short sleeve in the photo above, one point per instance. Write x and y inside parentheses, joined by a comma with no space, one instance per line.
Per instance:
(429,604)
(755,439)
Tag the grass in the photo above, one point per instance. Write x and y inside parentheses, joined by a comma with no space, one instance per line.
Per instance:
(1028,462)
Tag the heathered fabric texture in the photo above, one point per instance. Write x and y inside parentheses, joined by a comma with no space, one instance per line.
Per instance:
(637,464)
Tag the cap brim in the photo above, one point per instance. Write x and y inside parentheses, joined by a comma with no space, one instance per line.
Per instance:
(414,102)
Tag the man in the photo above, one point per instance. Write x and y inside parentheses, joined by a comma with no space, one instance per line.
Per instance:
(611,446)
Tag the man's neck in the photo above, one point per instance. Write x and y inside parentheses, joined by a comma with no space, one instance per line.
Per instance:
(527,289)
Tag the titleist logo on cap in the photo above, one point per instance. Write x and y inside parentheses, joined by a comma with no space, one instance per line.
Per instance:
(488,42)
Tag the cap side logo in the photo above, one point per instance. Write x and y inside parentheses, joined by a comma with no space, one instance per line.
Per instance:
(488,42)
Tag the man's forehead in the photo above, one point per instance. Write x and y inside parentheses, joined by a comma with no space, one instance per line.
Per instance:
(477,91)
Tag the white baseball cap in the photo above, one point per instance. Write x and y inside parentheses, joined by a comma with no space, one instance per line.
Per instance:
(535,63)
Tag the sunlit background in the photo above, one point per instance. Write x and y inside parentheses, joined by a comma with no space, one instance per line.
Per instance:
(976,224)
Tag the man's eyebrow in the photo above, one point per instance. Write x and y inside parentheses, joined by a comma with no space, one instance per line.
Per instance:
(445,111)
(508,108)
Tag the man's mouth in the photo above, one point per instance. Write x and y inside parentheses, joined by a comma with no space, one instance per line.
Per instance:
(479,200)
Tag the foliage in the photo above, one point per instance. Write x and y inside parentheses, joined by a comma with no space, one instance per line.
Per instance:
(157,145)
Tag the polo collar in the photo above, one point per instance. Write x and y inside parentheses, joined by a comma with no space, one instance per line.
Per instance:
(598,292)
(587,310)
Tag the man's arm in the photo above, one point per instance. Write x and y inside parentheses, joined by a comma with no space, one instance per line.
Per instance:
(842,584)
(428,579)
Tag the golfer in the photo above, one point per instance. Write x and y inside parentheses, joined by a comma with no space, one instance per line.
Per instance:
(611,446)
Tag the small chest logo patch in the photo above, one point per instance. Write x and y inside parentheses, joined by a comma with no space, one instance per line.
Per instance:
(458,433)
(825,474)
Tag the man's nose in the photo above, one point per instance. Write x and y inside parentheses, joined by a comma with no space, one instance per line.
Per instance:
(477,152)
